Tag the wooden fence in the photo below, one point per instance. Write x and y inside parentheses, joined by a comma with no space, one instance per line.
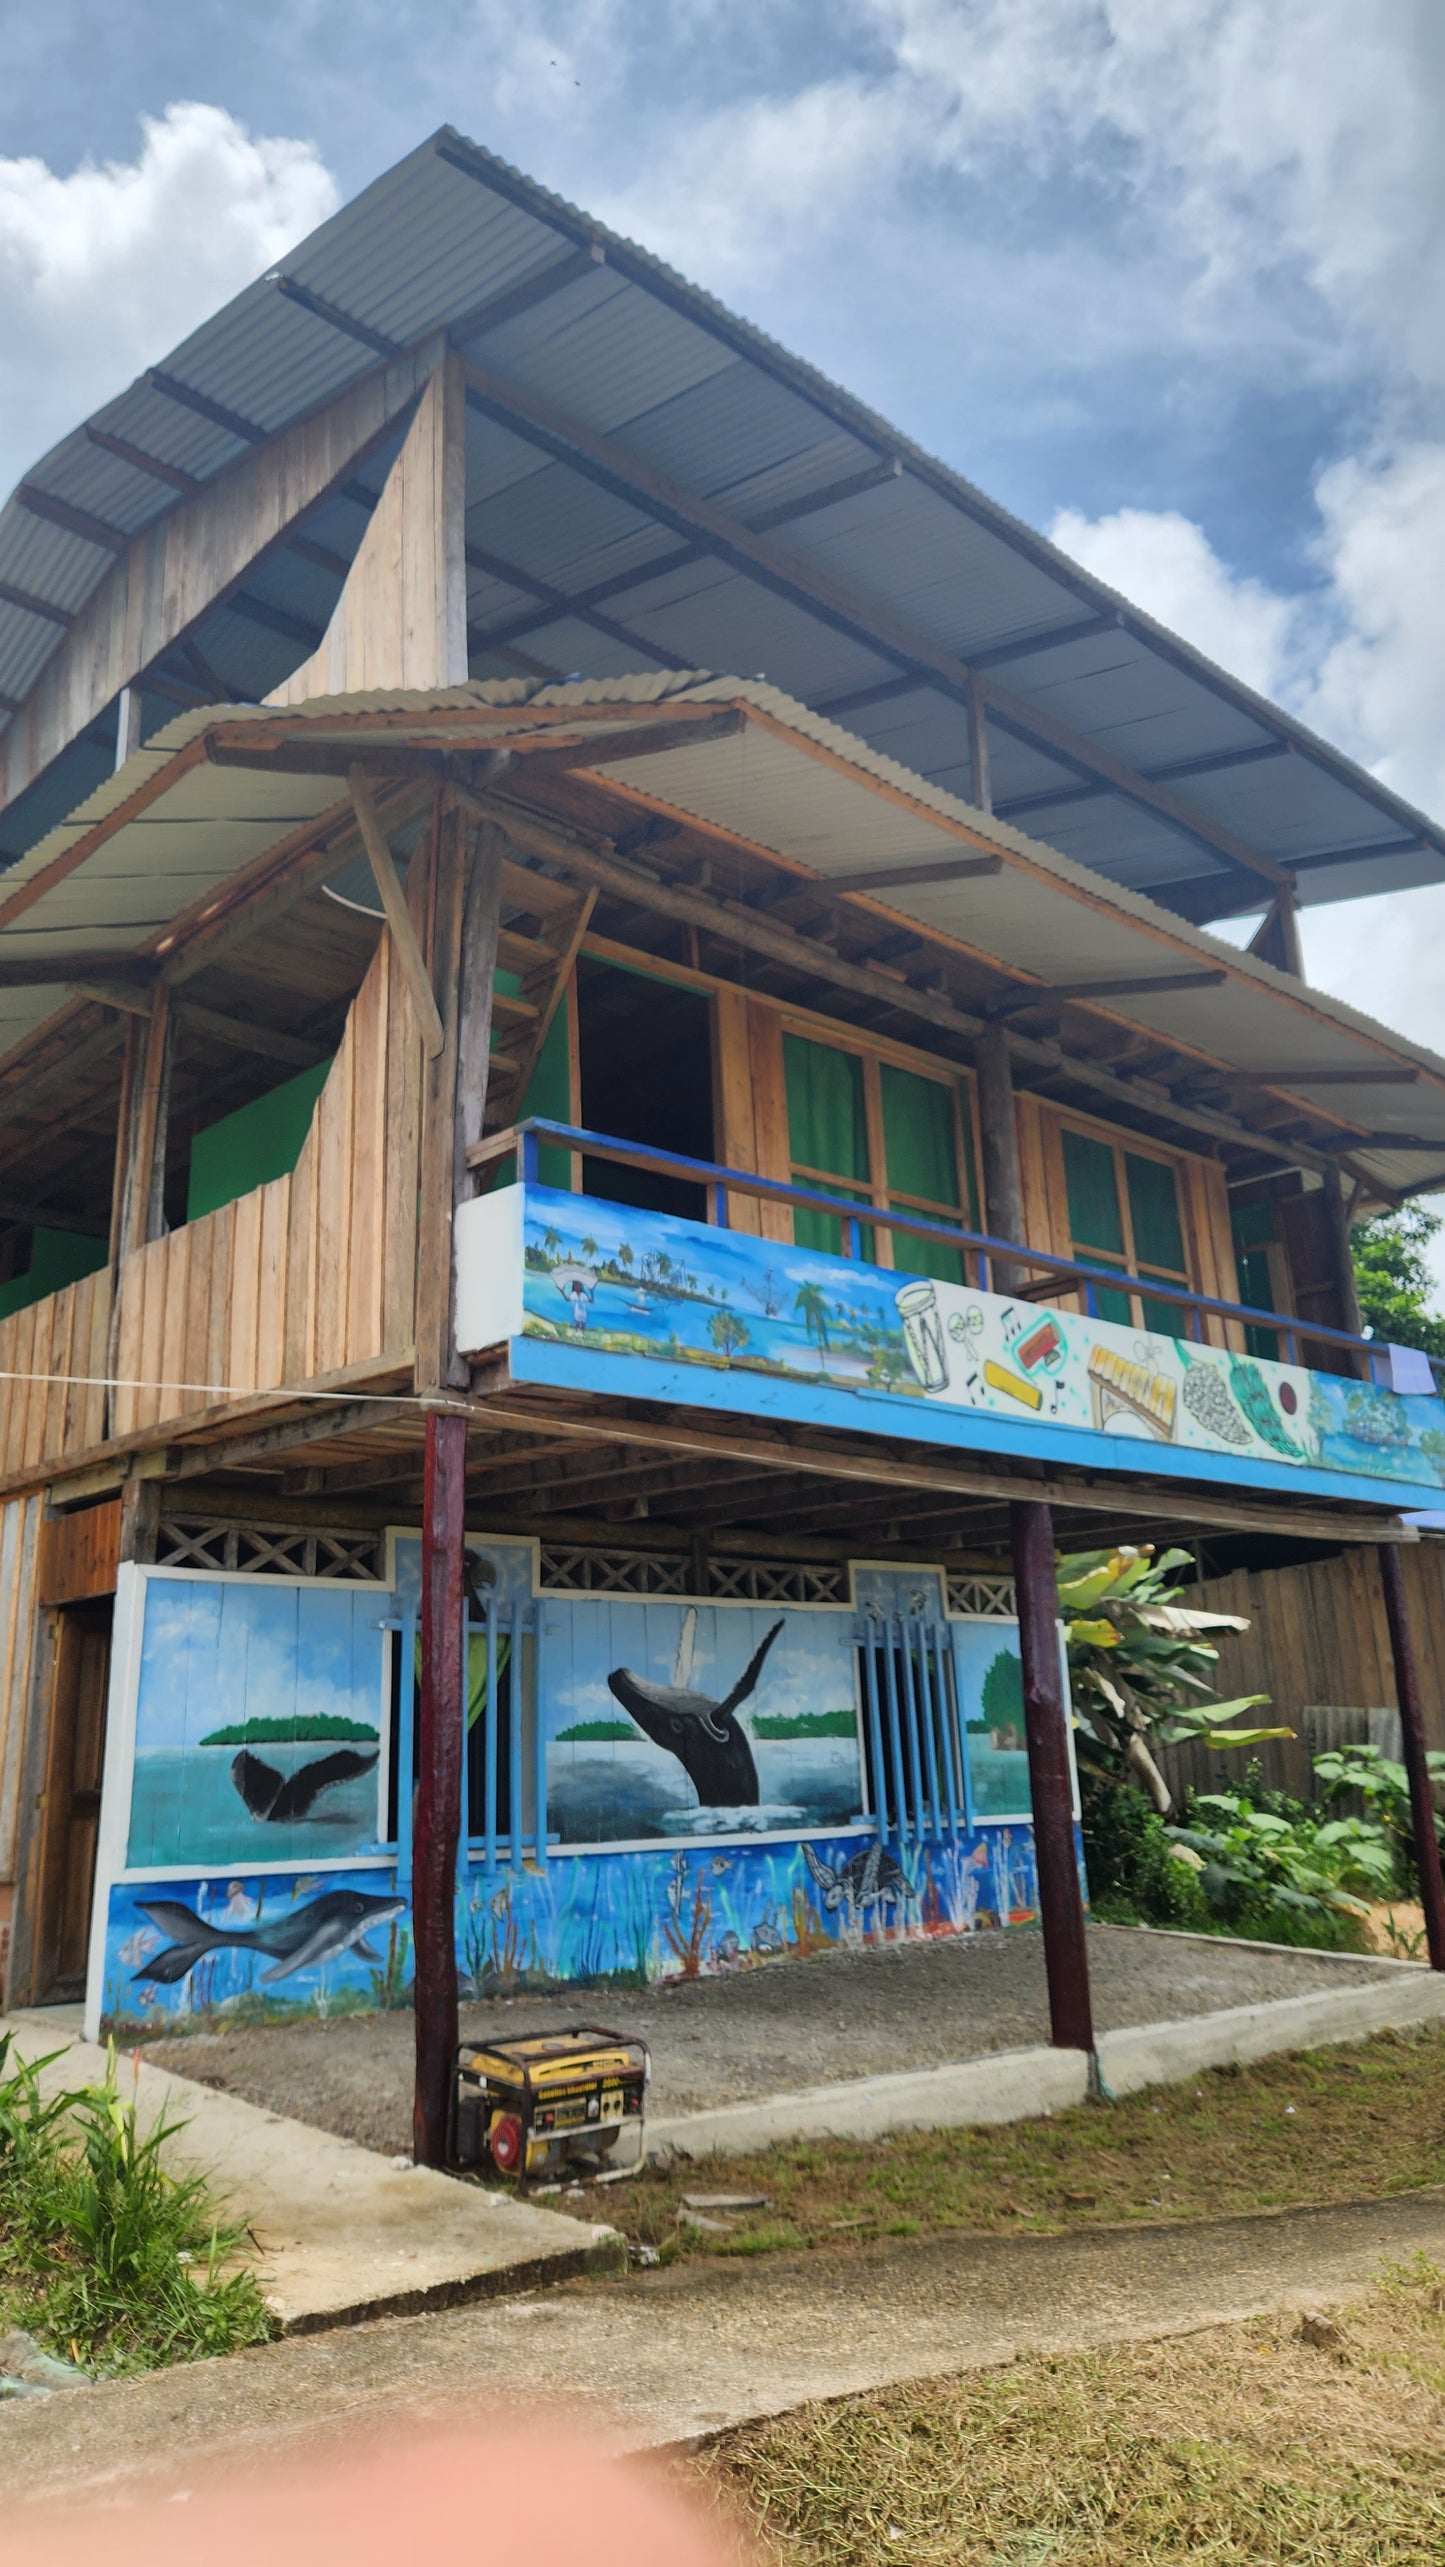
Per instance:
(1319,1646)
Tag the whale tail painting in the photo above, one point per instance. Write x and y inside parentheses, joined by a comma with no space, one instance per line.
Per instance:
(278,1797)
(705,1736)
(337,1923)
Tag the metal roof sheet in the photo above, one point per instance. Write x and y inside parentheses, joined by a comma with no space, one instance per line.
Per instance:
(690,391)
(786,781)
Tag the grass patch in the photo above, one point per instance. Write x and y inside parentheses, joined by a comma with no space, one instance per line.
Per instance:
(107,2258)
(1238,2447)
(1321,2126)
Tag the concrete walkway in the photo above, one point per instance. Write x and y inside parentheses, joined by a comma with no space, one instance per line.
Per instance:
(343,2234)
(674,2356)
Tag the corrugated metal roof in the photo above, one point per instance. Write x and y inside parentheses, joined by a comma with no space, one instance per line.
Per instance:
(630,348)
(787,781)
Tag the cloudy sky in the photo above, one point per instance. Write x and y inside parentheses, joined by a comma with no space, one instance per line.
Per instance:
(1162,275)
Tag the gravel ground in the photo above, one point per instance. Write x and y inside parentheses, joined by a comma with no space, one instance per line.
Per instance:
(771,2030)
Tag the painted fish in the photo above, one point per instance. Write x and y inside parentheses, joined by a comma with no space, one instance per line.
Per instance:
(337,1923)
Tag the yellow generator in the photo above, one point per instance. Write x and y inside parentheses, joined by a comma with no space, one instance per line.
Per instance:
(552,2100)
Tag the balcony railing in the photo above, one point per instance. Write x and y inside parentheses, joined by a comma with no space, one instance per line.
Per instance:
(983,1254)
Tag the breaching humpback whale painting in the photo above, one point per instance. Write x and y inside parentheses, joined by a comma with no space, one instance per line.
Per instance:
(673,1720)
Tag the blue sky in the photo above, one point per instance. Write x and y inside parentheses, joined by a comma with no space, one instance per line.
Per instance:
(1162,275)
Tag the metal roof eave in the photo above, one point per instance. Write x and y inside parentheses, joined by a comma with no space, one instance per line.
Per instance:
(156,840)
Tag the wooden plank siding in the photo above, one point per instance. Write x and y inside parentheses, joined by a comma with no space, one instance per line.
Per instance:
(1318,1639)
(307,1275)
(19,1556)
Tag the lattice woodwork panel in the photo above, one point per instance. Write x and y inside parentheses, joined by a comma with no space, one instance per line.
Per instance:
(994,1596)
(573,1572)
(779,1581)
(282,1550)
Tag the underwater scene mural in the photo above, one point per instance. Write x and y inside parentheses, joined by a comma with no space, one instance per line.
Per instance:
(276,1948)
(616,1282)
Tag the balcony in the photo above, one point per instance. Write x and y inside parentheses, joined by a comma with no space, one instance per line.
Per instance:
(994,1348)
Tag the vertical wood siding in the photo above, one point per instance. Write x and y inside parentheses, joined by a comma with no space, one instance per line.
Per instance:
(19,1544)
(307,1275)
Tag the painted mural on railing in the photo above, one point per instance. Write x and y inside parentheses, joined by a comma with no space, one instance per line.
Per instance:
(618,1282)
(233,1948)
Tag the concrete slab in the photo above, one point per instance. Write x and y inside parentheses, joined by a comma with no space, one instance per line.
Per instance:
(1019,2085)
(344,2234)
(669,2358)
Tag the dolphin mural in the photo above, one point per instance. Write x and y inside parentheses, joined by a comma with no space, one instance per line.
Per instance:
(707,1739)
(337,1923)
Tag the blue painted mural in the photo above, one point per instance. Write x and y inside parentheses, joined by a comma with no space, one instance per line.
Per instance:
(274,1948)
(706,1761)
(645,1304)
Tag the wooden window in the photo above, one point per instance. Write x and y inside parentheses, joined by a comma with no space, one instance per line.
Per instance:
(884,1135)
(1124,1211)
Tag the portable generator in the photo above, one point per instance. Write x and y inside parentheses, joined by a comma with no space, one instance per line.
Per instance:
(530,2107)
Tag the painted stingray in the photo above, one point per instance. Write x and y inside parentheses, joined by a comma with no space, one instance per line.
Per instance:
(337,1923)
(707,1739)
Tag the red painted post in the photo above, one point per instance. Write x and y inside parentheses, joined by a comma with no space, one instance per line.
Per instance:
(439,1785)
(1061,1904)
(1412,1730)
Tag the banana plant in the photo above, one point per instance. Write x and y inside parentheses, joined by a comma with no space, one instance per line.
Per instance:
(1141,1666)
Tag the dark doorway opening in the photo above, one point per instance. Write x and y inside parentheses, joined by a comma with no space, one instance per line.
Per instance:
(71,1809)
(645,1063)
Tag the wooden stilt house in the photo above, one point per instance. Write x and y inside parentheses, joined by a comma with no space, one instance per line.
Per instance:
(574,1227)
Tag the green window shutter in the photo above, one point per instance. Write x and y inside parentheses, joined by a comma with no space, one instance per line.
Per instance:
(1095,1225)
(1154,1211)
(918,1144)
(259,1141)
(827,1131)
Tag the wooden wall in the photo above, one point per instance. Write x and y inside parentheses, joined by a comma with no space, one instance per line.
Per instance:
(401,619)
(1318,1636)
(169,577)
(306,1276)
(19,1545)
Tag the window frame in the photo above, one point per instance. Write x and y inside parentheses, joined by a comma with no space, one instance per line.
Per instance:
(878,1196)
(1121,1146)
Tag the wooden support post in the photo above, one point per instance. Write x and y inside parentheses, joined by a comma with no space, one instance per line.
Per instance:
(439,1786)
(481,923)
(1412,1730)
(434,1337)
(1277,938)
(1061,1904)
(982,786)
(127,724)
(143,1214)
(398,917)
(1344,1263)
(999,1149)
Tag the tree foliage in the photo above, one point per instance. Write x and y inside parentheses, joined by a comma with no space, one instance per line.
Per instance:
(1394,1280)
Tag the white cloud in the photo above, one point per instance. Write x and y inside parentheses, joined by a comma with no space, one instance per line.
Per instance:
(1166,564)
(104,269)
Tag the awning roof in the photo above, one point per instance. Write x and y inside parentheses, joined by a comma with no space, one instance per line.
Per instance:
(154,845)
(611,383)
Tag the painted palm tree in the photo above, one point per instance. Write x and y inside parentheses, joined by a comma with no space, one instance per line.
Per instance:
(590,1248)
(551,1242)
(624,1257)
(812,1308)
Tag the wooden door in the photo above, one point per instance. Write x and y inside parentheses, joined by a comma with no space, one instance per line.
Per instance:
(70,1813)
